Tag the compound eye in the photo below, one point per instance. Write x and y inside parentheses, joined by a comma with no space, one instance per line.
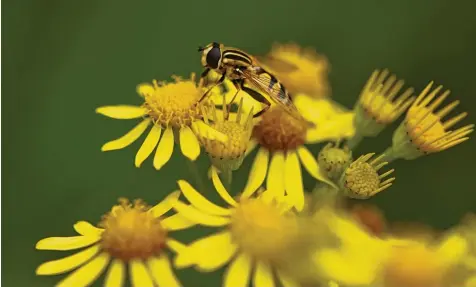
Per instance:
(213,57)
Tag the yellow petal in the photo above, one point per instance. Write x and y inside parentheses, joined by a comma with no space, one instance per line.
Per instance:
(140,276)
(66,243)
(208,132)
(310,164)
(251,146)
(122,112)
(200,217)
(318,111)
(286,281)
(347,270)
(68,263)
(164,149)
(452,249)
(339,126)
(471,282)
(145,89)
(128,138)
(238,273)
(86,275)
(166,204)
(209,253)
(189,143)
(85,228)
(148,145)
(199,201)
(275,180)
(116,274)
(221,189)
(293,180)
(177,222)
(175,246)
(257,173)
(263,275)
(162,273)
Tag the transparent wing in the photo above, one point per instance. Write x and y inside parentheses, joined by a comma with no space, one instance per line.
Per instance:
(274,92)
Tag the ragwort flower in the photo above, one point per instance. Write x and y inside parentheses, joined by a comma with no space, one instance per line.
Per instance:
(362,259)
(301,70)
(282,148)
(361,179)
(172,109)
(379,105)
(258,233)
(424,131)
(133,235)
(237,127)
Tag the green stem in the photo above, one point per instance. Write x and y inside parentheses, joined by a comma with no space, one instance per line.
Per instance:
(227,178)
(389,155)
(322,193)
(355,140)
(192,166)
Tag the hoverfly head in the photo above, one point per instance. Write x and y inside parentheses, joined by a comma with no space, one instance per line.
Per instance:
(211,55)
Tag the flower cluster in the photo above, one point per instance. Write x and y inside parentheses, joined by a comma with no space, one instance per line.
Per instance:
(274,232)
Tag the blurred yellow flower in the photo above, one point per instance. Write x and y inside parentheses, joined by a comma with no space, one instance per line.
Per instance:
(282,149)
(172,109)
(301,70)
(258,232)
(133,235)
(364,260)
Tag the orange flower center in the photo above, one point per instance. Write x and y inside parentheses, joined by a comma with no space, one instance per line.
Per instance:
(130,231)
(278,131)
(261,230)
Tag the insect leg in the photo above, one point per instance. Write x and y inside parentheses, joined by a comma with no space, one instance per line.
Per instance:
(204,74)
(222,78)
(258,97)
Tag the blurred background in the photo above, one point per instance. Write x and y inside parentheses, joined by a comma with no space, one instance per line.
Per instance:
(62,59)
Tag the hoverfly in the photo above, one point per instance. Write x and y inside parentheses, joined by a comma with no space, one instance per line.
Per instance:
(243,69)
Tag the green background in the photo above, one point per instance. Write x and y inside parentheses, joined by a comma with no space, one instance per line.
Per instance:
(62,59)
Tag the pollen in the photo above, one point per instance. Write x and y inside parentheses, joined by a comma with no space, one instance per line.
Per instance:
(131,232)
(361,179)
(279,131)
(173,104)
(260,229)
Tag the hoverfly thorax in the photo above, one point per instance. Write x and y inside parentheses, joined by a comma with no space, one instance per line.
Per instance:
(211,55)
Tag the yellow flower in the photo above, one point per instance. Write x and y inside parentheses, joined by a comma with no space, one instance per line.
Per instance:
(362,179)
(379,105)
(258,233)
(131,234)
(227,156)
(172,109)
(420,264)
(301,70)
(364,260)
(424,131)
(282,149)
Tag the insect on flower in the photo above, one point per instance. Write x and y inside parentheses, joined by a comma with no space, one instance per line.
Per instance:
(243,69)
